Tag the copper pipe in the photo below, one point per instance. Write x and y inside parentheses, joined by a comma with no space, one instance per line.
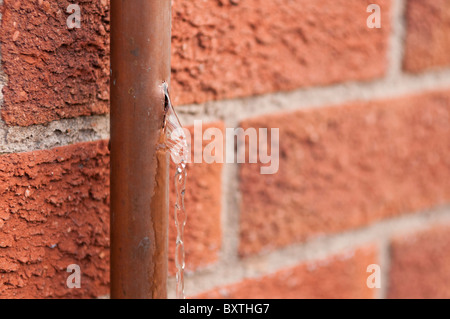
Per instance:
(140,64)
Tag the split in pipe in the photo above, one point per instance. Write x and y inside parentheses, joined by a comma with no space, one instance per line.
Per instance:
(140,64)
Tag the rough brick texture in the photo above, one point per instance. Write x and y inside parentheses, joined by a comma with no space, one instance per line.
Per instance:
(54,72)
(345,167)
(54,212)
(341,168)
(342,276)
(420,265)
(224,49)
(203,235)
(428,35)
(221,49)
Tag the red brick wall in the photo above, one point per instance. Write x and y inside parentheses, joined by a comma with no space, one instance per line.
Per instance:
(335,277)
(54,72)
(223,49)
(364,119)
(420,265)
(54,213)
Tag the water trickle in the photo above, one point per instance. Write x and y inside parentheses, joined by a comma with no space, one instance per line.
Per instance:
(176,143)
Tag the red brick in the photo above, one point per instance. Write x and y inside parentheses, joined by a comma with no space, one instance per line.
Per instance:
(339,277)
(203,235)
(420,265)
(225,49)
(54,212)
(54,72)
(428,35)
(221,49)
(346,167)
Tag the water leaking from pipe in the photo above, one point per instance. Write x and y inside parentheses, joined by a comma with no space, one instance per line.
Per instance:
(176,143)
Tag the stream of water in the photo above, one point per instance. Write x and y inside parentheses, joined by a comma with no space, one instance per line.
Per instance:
(176,143)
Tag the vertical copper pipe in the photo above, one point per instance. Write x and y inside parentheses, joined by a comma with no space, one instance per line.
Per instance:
(140,63)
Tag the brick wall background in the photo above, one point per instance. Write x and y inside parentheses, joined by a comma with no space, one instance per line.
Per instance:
(364,118)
